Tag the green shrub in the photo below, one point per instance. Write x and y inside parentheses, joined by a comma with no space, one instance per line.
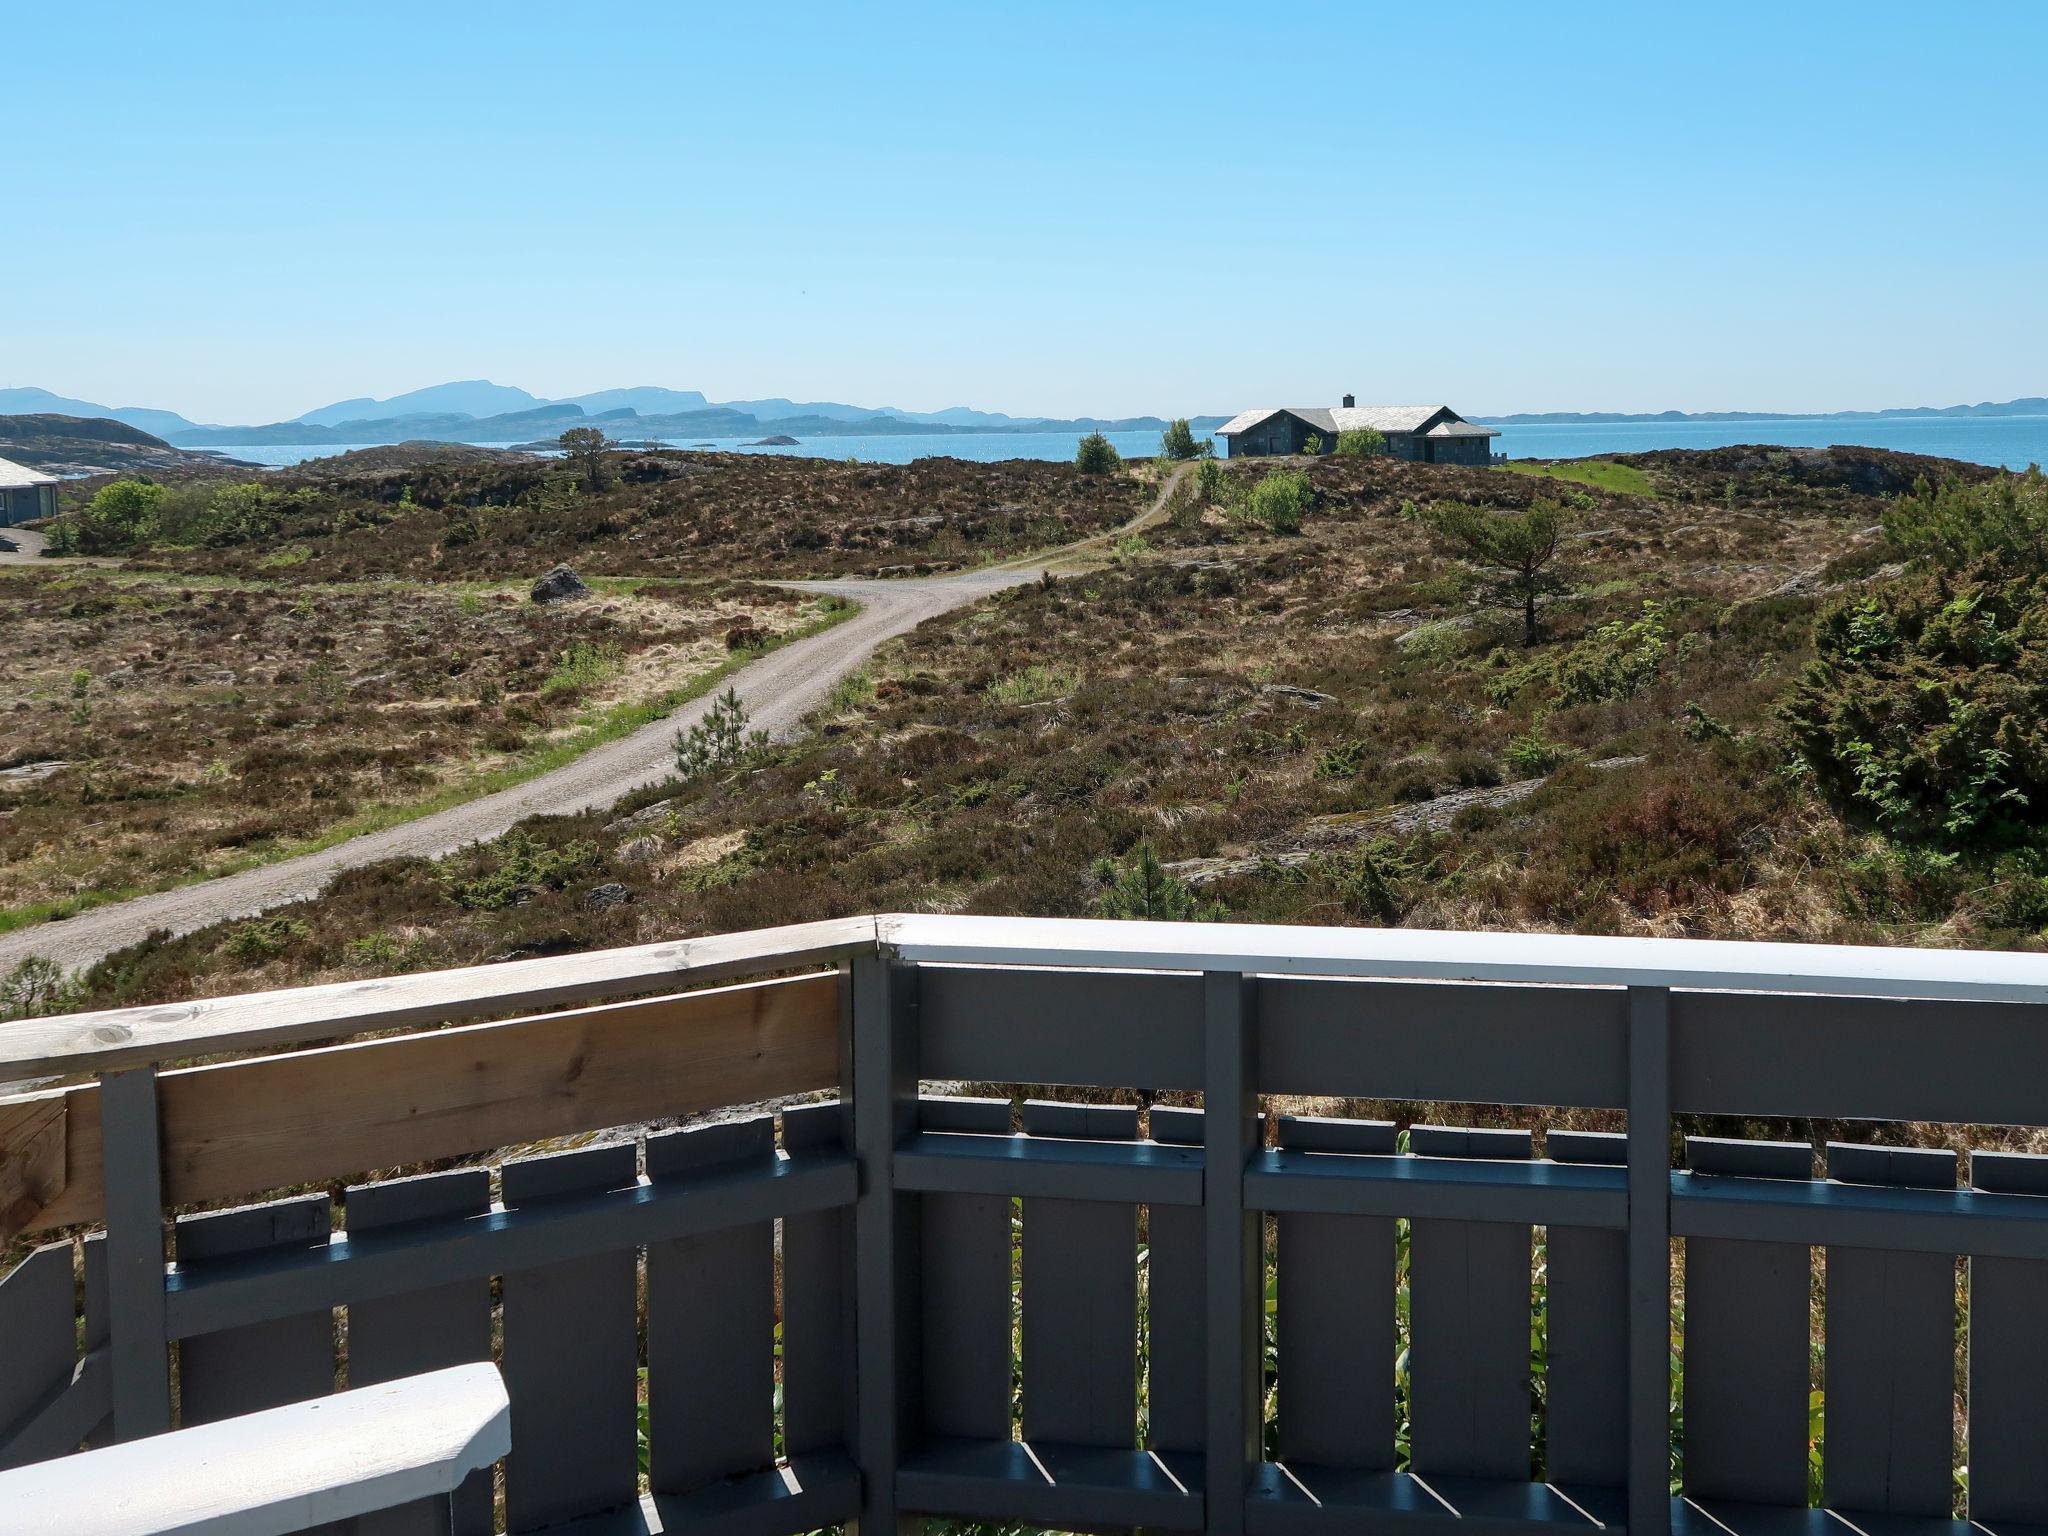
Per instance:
(1926,709)
(1361,443)
(1438,642)
(1178,440)
(516,865)
(1534,755)
(1279,500)
(2004,519)
(1340,762)
(264,938)
(585,664)
(1096,456)
(1141,888)
(119,517)
(1375,880)
(1312,445)
(1617,661)
(1210,478)
(853,692)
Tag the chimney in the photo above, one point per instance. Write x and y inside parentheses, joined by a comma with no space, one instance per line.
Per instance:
(1350,401)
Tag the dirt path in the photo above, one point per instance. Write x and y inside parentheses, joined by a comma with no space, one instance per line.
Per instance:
(778,690)
(21,546)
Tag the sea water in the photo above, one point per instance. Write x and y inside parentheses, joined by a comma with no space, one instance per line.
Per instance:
(2011,441)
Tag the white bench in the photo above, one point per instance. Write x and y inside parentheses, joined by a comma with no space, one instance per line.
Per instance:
(267,1474)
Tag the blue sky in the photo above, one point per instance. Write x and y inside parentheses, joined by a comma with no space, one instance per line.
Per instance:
(242,211)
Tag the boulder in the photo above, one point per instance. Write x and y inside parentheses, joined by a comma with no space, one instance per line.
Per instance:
(610,894)
(647,816)
(561,585)
(639,850)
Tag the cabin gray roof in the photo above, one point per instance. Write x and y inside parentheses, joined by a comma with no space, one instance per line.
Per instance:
(1460,428)
(1344,418)
(13,475)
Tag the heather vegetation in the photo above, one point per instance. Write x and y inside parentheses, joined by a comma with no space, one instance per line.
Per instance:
(709,515)
(167,728)
(1340,724)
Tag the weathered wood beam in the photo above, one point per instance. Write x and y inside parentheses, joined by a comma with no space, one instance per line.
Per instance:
(124,1037)
(308,1117)
(32,1161)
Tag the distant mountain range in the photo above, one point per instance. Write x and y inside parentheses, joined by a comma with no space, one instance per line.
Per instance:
(476,410)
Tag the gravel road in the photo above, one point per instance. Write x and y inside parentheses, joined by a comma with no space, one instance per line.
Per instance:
(778,690)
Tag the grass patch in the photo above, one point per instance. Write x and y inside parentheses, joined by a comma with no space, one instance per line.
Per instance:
(585,665)
(1600,474)
(1034,685)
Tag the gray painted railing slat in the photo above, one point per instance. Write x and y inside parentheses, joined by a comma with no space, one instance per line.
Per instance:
(2008,1366)
(1587,1319)
(37,1323)
(1335,1296)
(1890,1354)
(1747,1345)
(571,1356)
(445,1325)
(1080,1295)
(965,1259)
(1176,1310)
(1468,1355)
(711,1324)
(818,1404)
(260,1365)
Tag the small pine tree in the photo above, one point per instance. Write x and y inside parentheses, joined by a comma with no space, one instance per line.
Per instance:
(1141,889)
(1177,442)
(1518,546)
(1096,456)
(717,741)
(37,987)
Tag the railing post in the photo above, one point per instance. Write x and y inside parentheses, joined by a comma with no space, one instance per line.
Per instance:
(131,1161)
(1649,1261)
(887,1296)
(1233,1246)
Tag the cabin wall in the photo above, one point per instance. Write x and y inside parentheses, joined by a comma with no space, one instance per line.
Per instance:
(1275,436)
(1460,450)
(21,503)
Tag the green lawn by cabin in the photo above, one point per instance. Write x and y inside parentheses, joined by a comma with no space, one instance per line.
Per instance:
(1601,474)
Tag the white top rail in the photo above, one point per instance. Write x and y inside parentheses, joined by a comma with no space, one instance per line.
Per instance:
(271,1473)
(115,1038)
(1425,954)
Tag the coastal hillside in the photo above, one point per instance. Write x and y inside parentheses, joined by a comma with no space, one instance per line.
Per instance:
(1756,692)
(84,445)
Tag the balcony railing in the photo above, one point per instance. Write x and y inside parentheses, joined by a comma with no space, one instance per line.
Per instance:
(904,1304)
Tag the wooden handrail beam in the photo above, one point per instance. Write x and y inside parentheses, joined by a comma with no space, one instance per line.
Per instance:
(308,1117)
(213,1026)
